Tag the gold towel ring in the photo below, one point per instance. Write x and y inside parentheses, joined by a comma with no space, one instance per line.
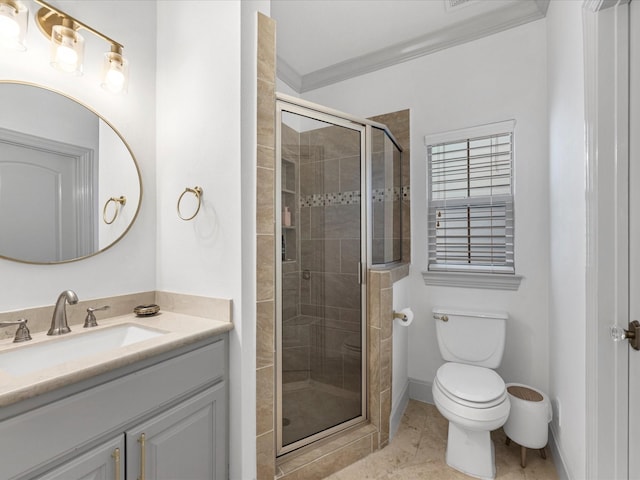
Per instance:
(122,200)
(197,191)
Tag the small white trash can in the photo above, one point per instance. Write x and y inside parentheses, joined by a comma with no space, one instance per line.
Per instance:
(528,420)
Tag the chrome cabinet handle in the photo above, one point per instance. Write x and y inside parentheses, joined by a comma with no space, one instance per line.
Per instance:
(116,460)
(143,456)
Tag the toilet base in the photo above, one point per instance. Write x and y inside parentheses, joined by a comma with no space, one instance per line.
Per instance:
(471,452)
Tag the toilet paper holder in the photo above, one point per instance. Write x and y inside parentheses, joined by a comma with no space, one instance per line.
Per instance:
(399,315)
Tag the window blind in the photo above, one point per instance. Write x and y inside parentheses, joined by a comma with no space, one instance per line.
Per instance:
(470,214)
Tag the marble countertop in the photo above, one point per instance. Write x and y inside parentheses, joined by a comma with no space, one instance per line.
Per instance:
(181,330)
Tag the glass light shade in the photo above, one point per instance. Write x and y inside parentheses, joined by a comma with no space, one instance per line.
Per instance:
(13,24)
(67,49)
(115,73)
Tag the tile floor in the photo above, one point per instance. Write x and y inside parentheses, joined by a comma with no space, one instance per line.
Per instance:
(418,448)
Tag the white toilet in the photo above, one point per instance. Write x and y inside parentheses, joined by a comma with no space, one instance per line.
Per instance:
(466,390)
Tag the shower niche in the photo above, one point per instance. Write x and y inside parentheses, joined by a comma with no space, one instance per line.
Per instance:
(289,201)
(337,214)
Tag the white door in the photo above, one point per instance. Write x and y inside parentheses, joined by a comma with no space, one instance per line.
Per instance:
(634,238)
(46,199)
(33,202)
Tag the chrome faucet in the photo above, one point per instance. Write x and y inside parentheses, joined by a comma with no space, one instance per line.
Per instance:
(59,324)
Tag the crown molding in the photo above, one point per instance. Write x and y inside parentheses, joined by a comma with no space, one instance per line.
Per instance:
(596,6)
(288,75)
(472,29)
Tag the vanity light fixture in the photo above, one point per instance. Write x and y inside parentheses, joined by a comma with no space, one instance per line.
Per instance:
(13,24)
(67,47)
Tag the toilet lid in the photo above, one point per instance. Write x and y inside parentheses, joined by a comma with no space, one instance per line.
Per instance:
(468,382)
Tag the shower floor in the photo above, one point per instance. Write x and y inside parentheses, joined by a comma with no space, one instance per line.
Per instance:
(310,407)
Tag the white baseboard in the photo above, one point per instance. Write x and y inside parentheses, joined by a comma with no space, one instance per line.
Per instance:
(399,406)
(558,460)
(420,390)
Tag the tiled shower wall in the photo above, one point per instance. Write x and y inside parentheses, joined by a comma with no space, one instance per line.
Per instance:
(330,250)
(321,294)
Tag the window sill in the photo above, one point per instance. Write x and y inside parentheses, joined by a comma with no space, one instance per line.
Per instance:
(490,281)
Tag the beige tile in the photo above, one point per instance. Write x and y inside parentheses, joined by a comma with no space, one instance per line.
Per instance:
(385,279)
(265,217)
(298,460)
(417,451)
(265,452)
(399,272)
(386,313)
(266,157)
(266,48)
(264,399)
(374,300)
(386,347)
(265,334)
(266,114)
(385,414)
(331,463)
(265,257)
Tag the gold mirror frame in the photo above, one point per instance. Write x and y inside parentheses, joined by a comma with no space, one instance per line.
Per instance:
(133,158)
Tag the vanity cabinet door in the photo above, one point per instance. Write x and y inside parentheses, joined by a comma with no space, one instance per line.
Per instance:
(186,442)
(105,462)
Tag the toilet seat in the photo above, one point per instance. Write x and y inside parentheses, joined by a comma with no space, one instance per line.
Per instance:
(470,385)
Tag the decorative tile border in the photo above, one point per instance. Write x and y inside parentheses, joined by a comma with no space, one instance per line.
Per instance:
(392,194)
(328,199)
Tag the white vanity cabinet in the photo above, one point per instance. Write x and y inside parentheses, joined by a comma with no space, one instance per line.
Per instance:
(166,421)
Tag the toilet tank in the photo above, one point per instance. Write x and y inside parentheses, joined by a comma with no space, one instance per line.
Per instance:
(475,338)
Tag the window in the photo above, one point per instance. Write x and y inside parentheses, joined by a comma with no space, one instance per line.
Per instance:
(470,214)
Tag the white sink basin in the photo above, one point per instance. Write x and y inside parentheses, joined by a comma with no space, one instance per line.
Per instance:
(31,358)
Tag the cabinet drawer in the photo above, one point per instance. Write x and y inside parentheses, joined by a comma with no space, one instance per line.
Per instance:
(63,426)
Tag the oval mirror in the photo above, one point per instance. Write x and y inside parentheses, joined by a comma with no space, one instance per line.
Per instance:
(70,186)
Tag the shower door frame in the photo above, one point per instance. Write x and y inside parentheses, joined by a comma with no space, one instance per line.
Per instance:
(317,112)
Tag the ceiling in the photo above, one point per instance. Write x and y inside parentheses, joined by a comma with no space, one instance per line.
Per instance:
(321,42)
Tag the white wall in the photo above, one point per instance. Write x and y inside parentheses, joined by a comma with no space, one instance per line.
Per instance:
(567,231)
(198,144)
(206,137)
(400,360)
(129,266)
(496,78)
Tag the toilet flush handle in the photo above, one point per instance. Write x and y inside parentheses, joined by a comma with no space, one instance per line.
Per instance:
(444,318)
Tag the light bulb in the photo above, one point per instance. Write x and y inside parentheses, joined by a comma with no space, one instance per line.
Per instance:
(114,80)
(9,28)
(13,25)
(115,72)
(66,57)
(67,49)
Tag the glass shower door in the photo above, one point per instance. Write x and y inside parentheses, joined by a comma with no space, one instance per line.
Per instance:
(320,293)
